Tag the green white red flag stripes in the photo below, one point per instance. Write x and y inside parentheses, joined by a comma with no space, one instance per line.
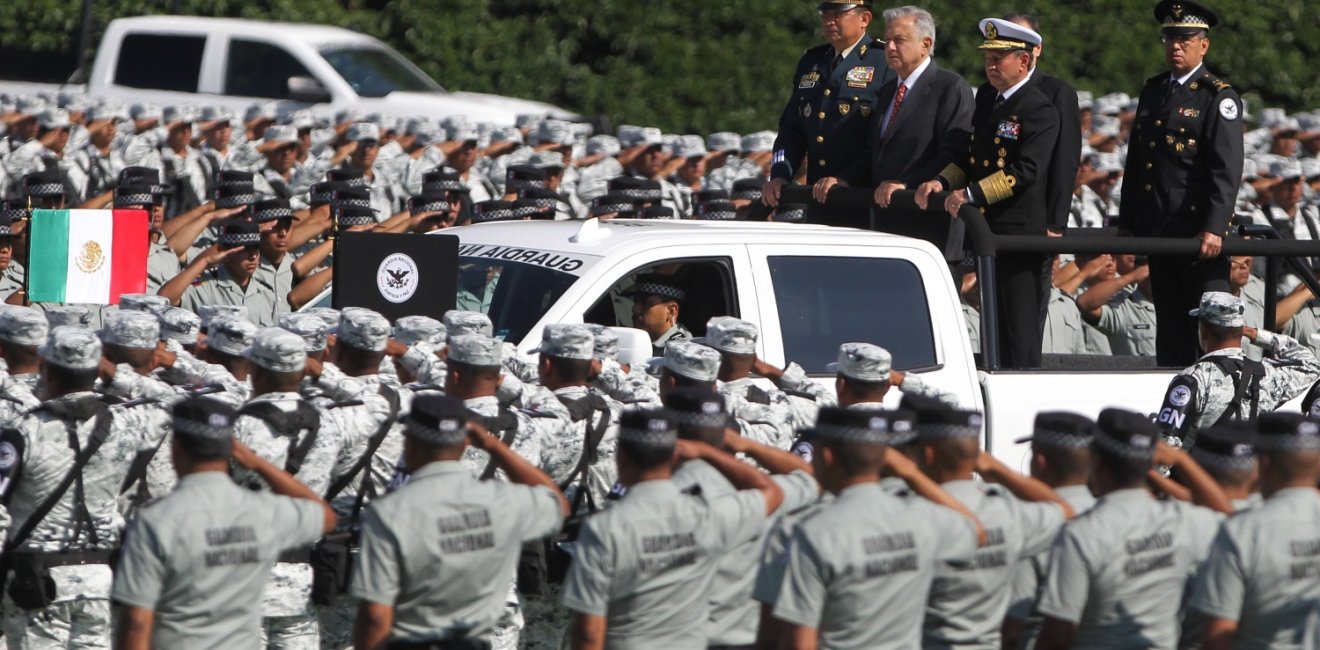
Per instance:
(87,256)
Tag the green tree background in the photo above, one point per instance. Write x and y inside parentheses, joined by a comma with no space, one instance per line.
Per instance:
(701,66)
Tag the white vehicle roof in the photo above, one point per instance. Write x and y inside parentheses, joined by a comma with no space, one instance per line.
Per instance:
(305,32)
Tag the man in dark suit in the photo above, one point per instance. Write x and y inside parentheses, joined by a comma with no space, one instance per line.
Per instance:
(1184,166)
(833,100)
(1003,173)
(1061,179)
(924,119)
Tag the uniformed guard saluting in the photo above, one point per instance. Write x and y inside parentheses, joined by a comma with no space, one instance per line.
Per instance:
(1184,164)
(834,94)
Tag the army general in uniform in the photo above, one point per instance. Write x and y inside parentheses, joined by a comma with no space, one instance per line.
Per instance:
(835,91)
(1184,165)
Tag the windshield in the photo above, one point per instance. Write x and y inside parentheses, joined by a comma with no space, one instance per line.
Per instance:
(515,294)
(377,72)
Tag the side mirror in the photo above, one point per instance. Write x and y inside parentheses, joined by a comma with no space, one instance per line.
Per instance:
(307,89)
(634,346)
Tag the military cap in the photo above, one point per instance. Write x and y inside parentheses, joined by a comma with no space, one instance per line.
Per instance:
(696,408)
(436,418)
(690,146)
(1061,429)
(203,418)
(239,234)
(180,326)
(1311,168)
(149,176)
(863,362)
(411,330)
(1282,431)
(354,215)
(177,115)
(531,209)
(229,334)
(724,142)
(363,329)
(474,350)
(1004,36)
(1229,446)
(692,360)
(506,134)
(643,189)
(607,145)
(54,118)
(68,315)
(235,195)
(328,315)
(841,5)
(1286,169)
(548,160)
(556,132)
(638,136)
(657,284)
(228,177)
(134,196)
(429,202)
(856,426)
(75,348)
(495,210)
(322,193)
(459,322)
(43,183)
(652,428)
(146,302)
(791,213)
(758,142)
(261,111)
(346,196)
(656,212)
(731,335)
(1126,434)
(210,313)
(613,203)
(29,104)
(23,326)
(746,189)
(462,133)
(528,120)
(363,131)
(131,329)
(1221,308)
(7,218)
(567,341)
(1085,100)
(939,421)
(1106,162)
(271,210)
(605,342)
(212,115)
(145,111)
(313,330)
(716,211)
(541,197)
(519,177)
(277,350)
(1184,17)
(107,110)
(443,181)
(349,177)
(278,136)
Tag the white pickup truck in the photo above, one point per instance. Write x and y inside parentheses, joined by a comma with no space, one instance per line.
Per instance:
(809,288)
(187,60)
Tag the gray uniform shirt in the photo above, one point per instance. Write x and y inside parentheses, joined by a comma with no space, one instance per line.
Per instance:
(200,557)
(1029,575)
(968,602)
(441,555)
(218,287)
(646,563)
(1128,319)
(1119,570)
(860,568)
(1264,571)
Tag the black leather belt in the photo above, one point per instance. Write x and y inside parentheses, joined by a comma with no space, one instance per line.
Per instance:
(296,556)
(74,558)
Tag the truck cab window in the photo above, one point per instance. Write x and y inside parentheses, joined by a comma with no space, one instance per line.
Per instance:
(260,69)
(160,62)
(708,284)
(826,301)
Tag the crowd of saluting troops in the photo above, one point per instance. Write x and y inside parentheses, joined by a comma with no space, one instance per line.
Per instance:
(214,464)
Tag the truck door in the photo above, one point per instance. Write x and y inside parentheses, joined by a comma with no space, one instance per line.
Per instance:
(260,70)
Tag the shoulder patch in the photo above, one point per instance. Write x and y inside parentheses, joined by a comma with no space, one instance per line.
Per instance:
(1228,109)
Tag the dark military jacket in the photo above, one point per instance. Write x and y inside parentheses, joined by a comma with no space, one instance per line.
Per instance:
(825,121)
(1009,158)
(1184,161)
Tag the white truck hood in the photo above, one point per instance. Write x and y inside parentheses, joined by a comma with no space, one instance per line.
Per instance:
(475,106)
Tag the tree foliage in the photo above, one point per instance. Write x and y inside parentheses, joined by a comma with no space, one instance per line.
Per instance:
(701,66)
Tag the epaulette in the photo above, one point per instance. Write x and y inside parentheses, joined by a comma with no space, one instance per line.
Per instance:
(1215,82)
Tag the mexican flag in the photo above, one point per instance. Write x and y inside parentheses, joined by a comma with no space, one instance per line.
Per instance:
(87,256)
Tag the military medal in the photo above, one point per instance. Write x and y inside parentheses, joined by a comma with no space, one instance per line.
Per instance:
(844,108)
(860,76)
(809,80)
(866,110)
(1009,130)
(1189,112)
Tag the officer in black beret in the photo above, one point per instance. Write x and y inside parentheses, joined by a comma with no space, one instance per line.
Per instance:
(834,94)
(1184,166)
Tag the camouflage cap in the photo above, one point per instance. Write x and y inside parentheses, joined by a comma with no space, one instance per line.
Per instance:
(180,325)
(277,350)
(436,418)
(313,330)
(731,335)
(567,341)
(692,360)
(68,315)
(147,302)
(363,329)
(605,342)
(363,131)
(75,348)
(209,313)
(22,326)
(328,315)
(759,142)
(1221,309)
(411,330)
(467,322)
(858,426)
(230,334)
(607,145)
(474,350)
(131,329)
(863,362)
(652,428)
(724,142)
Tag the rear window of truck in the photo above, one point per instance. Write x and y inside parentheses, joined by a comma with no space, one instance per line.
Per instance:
(826,301)
(160,62)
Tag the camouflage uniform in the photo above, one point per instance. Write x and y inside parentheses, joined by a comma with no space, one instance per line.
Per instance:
(21,326)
